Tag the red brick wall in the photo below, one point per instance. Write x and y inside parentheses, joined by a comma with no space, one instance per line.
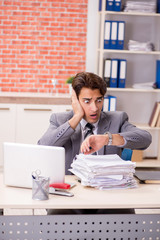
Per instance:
(41,40)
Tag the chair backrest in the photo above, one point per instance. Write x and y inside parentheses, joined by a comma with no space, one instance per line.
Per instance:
(127,154)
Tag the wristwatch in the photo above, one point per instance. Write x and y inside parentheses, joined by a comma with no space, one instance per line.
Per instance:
(110,138)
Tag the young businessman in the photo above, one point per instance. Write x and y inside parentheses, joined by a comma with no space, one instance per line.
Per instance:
(68,129)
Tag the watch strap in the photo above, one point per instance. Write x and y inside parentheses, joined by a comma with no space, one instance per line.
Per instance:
(110,138)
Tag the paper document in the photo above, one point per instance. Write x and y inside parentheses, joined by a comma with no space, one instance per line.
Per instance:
(148,6)
(146,85)
(140,46)
(104,171)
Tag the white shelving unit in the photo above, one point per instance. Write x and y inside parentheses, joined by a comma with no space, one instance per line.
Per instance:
(141,67)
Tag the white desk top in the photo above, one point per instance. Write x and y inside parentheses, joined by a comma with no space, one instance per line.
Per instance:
(145,196)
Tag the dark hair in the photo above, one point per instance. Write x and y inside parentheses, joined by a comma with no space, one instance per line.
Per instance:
(88,80)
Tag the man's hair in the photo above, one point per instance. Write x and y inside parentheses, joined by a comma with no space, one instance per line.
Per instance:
(88,80)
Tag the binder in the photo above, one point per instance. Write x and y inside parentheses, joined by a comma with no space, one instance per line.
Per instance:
(110,5)
(122,73)
(158,6)
(114,73)
(112,103)
(158,73)
(100,5)
(107,71)
(106,104)
(121,32)
(117,5)
(109,103)
(114,34)
(107,35)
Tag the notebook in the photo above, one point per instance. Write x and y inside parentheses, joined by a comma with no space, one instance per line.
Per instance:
(20,160)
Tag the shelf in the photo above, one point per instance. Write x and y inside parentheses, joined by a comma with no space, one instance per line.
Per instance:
(141,68)
(130,52)
(146,126)
(148,163)
(132,13)
(133,90)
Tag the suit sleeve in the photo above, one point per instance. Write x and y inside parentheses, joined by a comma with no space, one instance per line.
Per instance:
(135,138)
(58,133)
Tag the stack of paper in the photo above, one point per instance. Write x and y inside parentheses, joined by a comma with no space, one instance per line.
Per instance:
(140,6)
(146,85)
(140,46)
(104,171)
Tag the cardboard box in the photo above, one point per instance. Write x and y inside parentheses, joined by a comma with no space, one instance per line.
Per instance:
(137,156)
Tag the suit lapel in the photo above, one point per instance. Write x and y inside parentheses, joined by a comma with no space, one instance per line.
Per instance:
(76,138)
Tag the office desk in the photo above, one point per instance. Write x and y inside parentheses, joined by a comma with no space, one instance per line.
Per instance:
(76,227)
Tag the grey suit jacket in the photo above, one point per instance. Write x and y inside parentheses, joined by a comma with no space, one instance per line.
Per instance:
(61,134)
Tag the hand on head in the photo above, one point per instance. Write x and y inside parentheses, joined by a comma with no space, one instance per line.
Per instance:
(78,111)
(77,108)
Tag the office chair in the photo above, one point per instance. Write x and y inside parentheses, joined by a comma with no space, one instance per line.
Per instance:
(127,154)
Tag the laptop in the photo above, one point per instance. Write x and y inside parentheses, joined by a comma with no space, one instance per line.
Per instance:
(21,160)
(148,175)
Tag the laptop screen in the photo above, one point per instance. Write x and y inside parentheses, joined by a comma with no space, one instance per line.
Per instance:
(20,160)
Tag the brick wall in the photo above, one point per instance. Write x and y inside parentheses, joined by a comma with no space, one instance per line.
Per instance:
(41,41)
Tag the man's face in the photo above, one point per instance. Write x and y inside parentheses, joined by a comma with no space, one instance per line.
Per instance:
(91,102)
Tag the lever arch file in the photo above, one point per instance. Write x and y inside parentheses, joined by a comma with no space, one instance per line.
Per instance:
(109,103)
(158,73)
(114,33)
(106,104)
(110,5)
(107,71)
(158,6)
(121,32)
(100,5)
(107,35)
(114,73)
(122,73)
(117,5)
(112,103)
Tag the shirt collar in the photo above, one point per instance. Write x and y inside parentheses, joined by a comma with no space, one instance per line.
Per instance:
(83,123)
